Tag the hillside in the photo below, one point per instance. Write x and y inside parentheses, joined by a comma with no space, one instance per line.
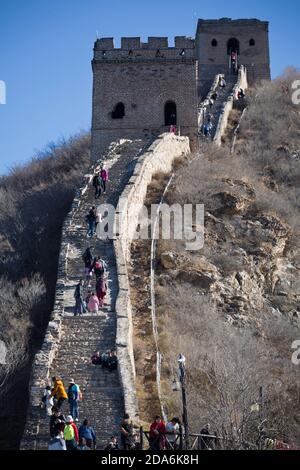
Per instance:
(236,301)
(34,200)
(232,308)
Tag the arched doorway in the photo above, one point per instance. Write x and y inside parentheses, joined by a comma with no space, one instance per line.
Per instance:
(233,45)
(233,50)
(170,114)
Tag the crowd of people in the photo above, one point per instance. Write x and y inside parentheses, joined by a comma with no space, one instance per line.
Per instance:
(66,434)
(208,123)
(108,359)
(207,126)
(100,180)
(94,299)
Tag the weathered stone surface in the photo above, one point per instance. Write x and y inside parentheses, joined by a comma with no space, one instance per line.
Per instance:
(69,342)
(199,279)
(169,260)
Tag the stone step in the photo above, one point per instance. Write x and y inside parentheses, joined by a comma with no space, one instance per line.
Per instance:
(82,335)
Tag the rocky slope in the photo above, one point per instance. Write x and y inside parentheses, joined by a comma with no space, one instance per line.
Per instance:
(233,307)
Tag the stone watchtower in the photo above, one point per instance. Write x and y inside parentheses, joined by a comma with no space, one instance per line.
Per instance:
(142,88)
(222,44)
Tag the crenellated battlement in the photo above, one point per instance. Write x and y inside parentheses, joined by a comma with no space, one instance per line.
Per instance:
(142,87)
(133,48)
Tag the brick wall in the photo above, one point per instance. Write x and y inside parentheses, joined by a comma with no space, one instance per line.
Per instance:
(213,60)
(143,77)
(159,157)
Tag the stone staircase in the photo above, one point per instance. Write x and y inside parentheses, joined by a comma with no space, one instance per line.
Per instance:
(216,108)
(102,400)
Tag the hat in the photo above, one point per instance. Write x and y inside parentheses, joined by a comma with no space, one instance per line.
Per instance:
(69,419)
(72,381)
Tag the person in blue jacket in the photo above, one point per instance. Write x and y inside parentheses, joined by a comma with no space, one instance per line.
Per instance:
(87,432)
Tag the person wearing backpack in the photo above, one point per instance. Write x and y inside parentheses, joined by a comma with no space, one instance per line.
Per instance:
(78,295)
(70,434)
(104,178)
(87,433)
(97,183)
(98,267)
(73,398)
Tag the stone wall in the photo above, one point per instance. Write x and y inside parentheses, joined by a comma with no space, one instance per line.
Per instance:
(211,48)
(159,157)
(203,105)
(144,77)
(228,105)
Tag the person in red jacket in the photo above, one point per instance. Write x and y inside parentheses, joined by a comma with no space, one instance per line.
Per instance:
(157,434)
(71,421)
(104,178)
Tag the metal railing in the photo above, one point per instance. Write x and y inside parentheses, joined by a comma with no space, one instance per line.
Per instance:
(169,441)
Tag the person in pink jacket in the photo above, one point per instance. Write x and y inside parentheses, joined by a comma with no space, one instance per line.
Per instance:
(93,305)
(101,289)
(104,177)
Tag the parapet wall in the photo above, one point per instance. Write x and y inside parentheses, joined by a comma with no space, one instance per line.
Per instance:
(134,49)
(159,157)
(227,107)
(203,105)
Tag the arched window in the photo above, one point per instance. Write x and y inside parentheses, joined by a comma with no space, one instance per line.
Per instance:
(170,114)
(214,43)
(252,42)
(119,111)
(233,45)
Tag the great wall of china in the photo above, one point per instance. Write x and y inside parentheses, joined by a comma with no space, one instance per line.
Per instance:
(70,341)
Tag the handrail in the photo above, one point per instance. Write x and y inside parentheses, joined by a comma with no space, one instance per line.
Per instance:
(178,442)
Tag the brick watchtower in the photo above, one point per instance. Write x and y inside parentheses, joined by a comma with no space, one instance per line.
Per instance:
(222,45)
(142,88)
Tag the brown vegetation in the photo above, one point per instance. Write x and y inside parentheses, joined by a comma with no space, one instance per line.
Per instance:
(34,200)
(233,307)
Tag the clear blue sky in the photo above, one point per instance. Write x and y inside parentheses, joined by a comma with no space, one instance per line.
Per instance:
(46,49)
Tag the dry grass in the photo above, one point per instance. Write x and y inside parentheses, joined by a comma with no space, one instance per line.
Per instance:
(227,365)
(34,200)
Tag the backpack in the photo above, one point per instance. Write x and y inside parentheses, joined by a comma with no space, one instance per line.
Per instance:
(69,433)
(72,392)
(98,267)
